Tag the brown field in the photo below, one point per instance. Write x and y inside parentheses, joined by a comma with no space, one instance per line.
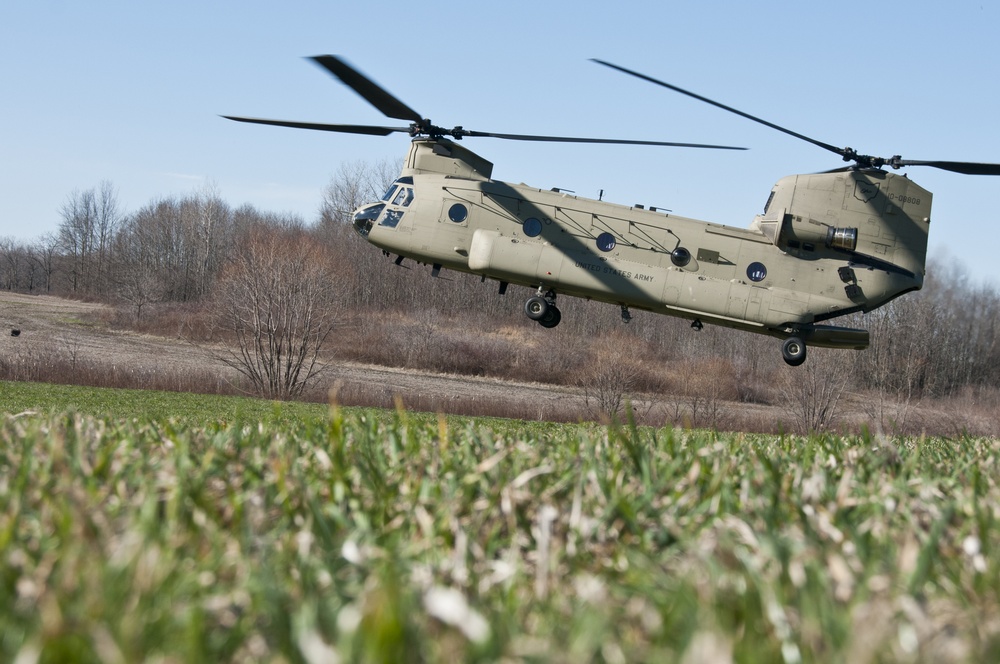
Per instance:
(60,331)
(75,342)
(71,341)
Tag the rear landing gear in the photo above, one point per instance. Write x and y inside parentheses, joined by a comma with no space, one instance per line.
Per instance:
(793,351)
(542,308)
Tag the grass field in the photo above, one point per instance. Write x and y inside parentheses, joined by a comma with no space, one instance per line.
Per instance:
(239,530)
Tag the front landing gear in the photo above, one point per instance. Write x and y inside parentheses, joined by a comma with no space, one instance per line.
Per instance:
(793,351)
(543,309)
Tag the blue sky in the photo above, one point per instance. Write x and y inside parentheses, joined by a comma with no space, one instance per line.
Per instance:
(130,92)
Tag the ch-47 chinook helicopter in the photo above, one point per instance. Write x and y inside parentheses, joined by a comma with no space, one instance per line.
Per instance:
(827,244)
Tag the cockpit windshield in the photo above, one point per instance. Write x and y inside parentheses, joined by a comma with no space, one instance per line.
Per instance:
(365,216)
(398,195)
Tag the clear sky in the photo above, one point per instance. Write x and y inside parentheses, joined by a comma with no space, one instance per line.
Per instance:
(131,92)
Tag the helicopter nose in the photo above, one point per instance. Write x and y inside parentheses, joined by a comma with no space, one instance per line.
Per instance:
(365,216)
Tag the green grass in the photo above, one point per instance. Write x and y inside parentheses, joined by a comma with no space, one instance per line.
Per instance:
(126,536)
(207,410)
(149,405)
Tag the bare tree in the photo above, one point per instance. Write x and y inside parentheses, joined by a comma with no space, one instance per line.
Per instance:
(10,260)
(108,217)
(893,366)
(45,255)
(90,220)
(207,229)
(76,237)
(275,303)
(136,278)
(812,393)
(705,389)
(356,183)
(163,239)
(610,380)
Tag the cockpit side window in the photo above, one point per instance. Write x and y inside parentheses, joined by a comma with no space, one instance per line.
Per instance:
(388,194)
(403,197)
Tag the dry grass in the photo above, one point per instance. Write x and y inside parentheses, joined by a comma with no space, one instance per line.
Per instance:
(528,372)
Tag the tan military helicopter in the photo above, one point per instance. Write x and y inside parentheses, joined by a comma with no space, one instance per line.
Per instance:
(826,245)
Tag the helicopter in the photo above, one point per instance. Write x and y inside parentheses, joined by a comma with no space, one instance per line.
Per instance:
(827,244)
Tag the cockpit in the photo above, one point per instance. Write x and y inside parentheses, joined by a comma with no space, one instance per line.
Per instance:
(389,211)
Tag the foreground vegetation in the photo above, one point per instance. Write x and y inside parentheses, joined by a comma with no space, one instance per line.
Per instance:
(381,536)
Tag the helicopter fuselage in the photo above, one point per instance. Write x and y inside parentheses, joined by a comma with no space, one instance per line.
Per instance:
(827,244)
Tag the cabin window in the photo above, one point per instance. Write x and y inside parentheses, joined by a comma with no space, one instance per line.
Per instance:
(756,272)
(606,242)
(458,213)
(532,227)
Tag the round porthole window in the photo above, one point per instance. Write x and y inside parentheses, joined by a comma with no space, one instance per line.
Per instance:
(458,213)
(756,271)
(680,256)
(532,227)
(606,242)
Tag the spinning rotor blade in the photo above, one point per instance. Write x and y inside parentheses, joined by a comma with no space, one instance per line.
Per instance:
(650,79)
(964,167)
(373,93)
(392,107)
(459,132)
(848,154)
(347,129)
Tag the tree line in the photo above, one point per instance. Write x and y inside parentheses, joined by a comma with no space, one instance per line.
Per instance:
(190,251)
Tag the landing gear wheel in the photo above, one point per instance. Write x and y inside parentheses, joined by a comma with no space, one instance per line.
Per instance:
(793,351)
(552,318)
(536,308)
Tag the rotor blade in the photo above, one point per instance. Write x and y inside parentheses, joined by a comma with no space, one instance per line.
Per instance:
(569,139)
(347,129)
(825,146)
(964,167)
(373,93)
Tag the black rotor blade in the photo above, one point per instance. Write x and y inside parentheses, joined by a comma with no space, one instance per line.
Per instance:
(964,167)
(373,93)
(346,129)
(650,79)
(569,139)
